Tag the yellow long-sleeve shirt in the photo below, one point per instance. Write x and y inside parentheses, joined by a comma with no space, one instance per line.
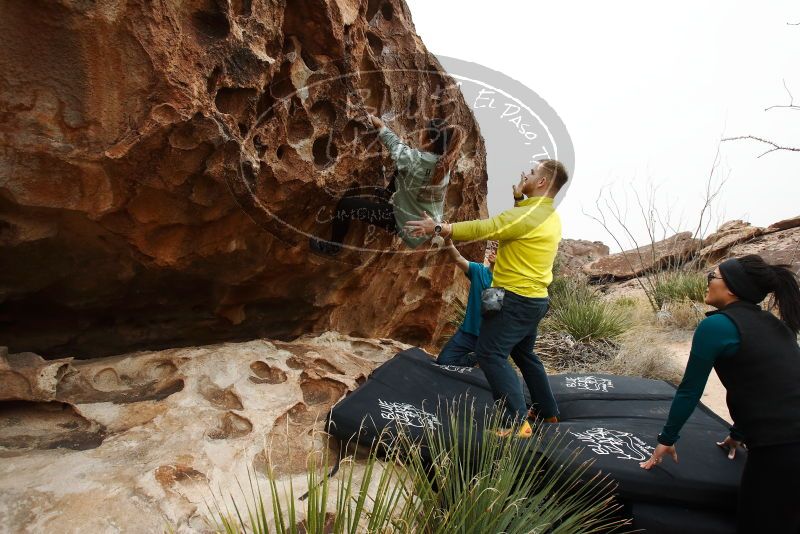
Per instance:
(528,236)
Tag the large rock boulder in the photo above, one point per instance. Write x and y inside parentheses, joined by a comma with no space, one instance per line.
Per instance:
(782,247)
(139,442)
(716,245)
(573,254)
(785,224)
(669,252)
(165,163)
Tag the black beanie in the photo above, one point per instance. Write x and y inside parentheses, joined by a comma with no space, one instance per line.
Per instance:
(739,282)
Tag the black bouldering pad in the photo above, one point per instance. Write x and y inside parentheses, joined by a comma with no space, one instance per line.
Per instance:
(665,519)
(613,422)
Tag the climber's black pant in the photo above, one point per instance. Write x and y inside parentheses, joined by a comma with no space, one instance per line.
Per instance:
(371,209)
(767,498)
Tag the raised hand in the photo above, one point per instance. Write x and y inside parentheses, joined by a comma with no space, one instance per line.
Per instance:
(517,188)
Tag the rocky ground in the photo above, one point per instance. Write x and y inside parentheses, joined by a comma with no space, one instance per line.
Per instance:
(137,442)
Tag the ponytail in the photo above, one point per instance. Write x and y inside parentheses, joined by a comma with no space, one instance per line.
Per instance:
(787,296)
(781,282)
(447,141)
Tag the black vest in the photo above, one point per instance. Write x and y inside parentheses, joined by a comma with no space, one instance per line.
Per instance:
(763,378)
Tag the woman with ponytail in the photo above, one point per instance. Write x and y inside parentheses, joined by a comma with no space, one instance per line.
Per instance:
(421,183)
(757,358)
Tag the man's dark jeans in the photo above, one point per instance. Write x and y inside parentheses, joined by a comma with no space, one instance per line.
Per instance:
(512,330)
(460,350)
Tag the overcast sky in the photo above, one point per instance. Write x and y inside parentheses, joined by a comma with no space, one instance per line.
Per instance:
(646,91)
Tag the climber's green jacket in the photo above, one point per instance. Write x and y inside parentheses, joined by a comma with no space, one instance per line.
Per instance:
(414,193)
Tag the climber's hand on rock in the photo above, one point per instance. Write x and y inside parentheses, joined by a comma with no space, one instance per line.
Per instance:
(421,228)
(376,122)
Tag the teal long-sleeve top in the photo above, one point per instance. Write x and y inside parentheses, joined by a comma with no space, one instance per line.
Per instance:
(715,337)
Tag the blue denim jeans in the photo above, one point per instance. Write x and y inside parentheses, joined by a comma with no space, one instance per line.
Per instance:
(459,350)
(512,330)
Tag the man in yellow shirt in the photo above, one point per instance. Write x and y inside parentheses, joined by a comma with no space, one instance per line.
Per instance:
(528,236)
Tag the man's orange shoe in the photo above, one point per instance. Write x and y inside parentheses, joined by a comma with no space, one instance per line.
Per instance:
(525,431)
(532,414)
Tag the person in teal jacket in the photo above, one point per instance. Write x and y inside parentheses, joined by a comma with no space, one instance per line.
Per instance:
(421,184)
(460,349)
(757,359)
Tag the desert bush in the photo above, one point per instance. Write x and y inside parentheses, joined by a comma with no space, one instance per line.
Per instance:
(561,353)
(464,481)
(577,309)
(456,314)
(626,303)
(684,314)
(678,286)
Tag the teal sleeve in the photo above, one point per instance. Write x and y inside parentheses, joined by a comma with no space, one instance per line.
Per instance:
(715,337)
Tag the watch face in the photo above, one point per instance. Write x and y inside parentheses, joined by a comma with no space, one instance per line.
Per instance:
(437,229)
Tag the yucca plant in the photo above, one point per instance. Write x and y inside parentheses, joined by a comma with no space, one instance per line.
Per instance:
(577,309)
(677,286)
(459,480)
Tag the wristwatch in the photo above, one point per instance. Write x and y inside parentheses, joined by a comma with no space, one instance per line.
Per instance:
(437,229)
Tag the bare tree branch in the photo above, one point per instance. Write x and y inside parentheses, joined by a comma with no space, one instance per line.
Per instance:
(790,105)
(710,196)
(774,148)
(601,220)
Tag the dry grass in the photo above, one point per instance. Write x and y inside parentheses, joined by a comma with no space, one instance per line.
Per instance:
(685,314)
(561,353)
(644,352)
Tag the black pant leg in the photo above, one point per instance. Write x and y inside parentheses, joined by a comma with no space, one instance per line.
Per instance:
(767,496)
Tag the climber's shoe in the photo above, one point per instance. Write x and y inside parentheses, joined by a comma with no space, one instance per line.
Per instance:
(533,415)
(325,248)
(525,431)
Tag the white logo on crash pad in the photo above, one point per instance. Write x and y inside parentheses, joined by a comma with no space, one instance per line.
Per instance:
(589,383)
(623,445)
(455,368)
(407,414)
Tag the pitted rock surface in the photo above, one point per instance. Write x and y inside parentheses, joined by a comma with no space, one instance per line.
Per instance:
(112,435)
(164,164)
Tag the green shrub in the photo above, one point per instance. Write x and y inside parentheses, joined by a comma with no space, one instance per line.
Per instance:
(626,302)
(456,314)
(577,309)
(475,484)
(676,286)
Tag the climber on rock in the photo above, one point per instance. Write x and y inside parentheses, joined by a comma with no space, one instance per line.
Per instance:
(460,349)
(421,183)
(528,236)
